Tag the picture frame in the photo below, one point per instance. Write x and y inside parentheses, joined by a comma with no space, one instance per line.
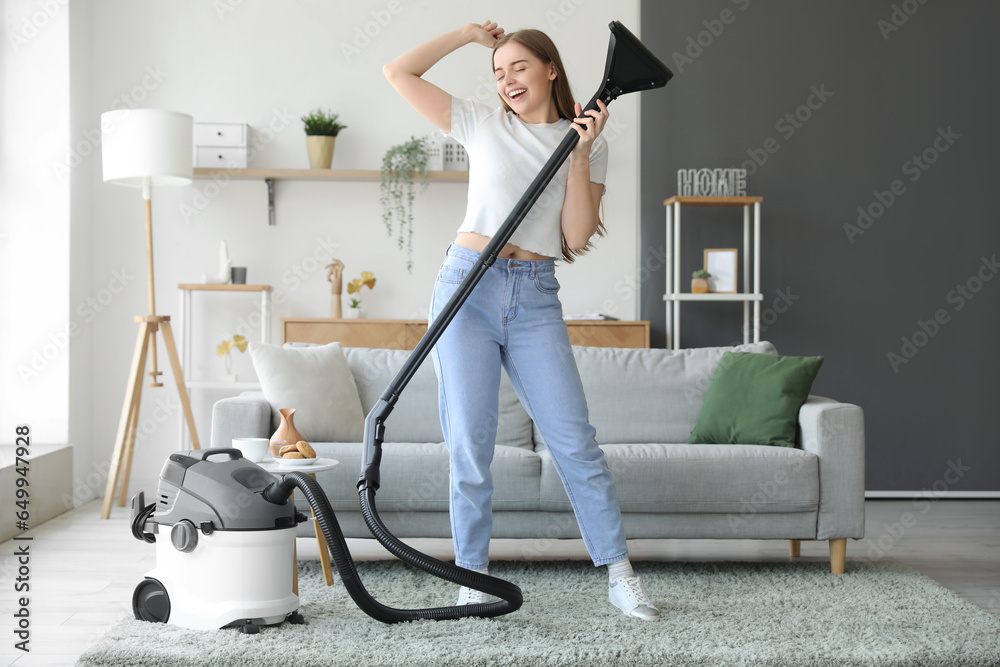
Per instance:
(722,264)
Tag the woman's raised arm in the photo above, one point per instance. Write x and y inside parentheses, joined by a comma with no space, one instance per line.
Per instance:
(405,72)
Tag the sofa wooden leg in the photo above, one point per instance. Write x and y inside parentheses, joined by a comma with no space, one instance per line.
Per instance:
(838,554)
(794,548)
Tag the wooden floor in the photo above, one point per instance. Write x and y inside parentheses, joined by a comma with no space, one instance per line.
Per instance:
(83,570)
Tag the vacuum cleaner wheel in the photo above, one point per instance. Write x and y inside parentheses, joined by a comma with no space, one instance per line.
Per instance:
(150,602)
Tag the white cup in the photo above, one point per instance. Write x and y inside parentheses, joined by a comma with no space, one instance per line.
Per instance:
(253,449)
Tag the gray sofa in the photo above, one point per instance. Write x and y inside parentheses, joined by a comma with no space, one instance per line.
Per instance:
(644,404)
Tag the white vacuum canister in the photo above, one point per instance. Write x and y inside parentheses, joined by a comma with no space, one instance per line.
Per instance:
(231,577)
(224,555)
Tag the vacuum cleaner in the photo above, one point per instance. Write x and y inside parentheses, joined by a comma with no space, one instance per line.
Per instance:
(229,557)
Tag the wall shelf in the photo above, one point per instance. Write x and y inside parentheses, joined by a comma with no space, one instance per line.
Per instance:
(320,175)
(269,176)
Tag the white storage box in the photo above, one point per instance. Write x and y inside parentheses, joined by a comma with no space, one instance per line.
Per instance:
(221,145)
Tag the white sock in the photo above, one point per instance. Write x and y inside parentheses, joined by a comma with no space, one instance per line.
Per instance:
(619,569)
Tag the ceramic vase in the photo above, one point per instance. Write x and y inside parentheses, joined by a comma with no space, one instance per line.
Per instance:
(352,313)
(699,285)
(320,151)
(286,433)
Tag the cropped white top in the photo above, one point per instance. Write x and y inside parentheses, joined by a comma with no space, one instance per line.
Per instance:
(505,156)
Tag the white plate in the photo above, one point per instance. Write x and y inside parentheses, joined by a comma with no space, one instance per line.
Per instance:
(295,463)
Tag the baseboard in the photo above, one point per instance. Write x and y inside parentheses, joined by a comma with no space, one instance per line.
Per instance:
(933,495)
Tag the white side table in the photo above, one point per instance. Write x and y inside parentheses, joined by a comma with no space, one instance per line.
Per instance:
(274,467)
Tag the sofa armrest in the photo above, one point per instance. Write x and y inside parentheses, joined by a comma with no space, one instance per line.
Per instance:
(835,432)
(245,416)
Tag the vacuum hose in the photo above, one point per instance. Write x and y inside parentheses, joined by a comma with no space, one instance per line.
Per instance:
(281,490)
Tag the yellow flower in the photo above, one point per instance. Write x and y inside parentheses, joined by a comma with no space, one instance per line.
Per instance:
(367,279)
(239,342)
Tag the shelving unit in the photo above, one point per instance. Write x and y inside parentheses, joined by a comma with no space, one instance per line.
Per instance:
(269,176)
(674,296)
(186,290)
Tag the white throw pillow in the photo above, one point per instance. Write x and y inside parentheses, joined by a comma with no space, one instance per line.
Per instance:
(318,383)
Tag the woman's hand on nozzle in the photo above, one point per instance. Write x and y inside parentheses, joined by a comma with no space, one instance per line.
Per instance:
(487,33)
(589,126)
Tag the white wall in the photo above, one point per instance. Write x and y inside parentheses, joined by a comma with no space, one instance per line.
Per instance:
(34,222)
(266,62)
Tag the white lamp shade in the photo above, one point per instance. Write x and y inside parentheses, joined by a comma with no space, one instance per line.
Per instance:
(150,147)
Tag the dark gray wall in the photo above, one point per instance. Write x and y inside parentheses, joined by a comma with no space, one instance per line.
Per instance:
(852,300)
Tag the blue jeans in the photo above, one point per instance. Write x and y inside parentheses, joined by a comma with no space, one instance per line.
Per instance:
(513,318)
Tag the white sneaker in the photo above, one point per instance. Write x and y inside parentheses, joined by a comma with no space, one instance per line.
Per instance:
(627,594)
(471,596)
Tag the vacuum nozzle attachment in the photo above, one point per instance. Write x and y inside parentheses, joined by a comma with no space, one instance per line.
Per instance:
(629,68)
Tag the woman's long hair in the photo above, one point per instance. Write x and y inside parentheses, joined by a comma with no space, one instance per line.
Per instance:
(545,50)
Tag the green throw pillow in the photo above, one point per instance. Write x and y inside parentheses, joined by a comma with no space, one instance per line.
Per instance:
(754,399)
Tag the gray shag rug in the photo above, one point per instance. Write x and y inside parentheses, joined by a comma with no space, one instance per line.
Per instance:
(711,614)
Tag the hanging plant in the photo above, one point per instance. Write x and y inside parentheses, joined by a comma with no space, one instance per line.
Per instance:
(400,166)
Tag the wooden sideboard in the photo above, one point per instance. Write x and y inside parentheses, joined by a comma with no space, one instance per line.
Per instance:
(404,334)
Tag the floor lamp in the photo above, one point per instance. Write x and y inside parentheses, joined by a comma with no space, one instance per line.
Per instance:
(145,148)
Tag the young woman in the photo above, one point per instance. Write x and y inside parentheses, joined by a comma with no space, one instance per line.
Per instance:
(513,318)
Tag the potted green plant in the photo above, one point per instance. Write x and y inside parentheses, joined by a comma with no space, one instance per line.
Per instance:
(699,281)
(400,166)
(321,129)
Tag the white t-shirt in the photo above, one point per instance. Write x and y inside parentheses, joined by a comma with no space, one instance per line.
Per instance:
(505,156)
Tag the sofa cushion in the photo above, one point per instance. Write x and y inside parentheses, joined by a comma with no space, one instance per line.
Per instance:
(742,480)
(414,477)
(317,382)
(755,399)
(647,395)
(416,418)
